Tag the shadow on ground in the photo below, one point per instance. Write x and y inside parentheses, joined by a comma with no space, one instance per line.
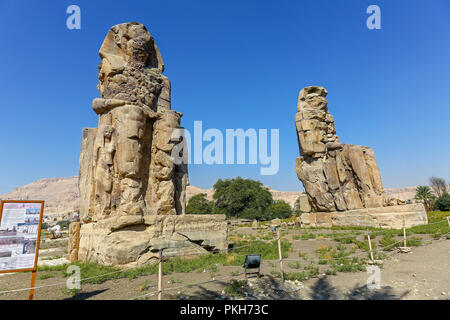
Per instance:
(273,289)
(86,295)
(323,290)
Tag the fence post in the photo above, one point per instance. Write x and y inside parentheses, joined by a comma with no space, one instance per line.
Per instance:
(448,220)
(404,234)
(160,275)
(279,254)
(370,245)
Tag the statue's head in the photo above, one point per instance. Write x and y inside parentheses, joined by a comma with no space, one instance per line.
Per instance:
(129,44)
(312,97)
(108,131)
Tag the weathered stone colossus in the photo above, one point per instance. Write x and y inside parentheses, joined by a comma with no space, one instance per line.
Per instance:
(128,181)
(336,176)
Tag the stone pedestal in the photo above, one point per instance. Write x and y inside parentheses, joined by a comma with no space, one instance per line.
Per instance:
(108,243)
(382,217)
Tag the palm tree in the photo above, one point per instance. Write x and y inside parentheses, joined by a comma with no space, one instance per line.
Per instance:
(424,195)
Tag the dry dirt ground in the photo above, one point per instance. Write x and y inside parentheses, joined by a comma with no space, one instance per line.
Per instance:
(421,274)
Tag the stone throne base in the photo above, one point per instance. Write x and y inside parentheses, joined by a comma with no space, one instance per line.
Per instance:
(109,243)
(383,217)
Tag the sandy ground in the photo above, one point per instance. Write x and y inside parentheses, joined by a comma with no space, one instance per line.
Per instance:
(422,274)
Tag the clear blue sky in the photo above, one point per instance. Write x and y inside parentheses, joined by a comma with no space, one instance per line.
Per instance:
(236,64)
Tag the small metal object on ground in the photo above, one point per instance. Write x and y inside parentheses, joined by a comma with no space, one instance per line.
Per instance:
(252,261)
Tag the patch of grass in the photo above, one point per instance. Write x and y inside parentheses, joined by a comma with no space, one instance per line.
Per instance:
(174,280)
(4,289)
(275,273)
(345,239)
(46,276)
(331,271)
(310,271)
(437,235)
(60,267)
(295,265)
(364,245)
(349,265)
(390,232)
(144,286)
(235,288)
(100,272)
(70,292)
(387,243)
(413,242)
(378,256)
(307,236)
(438,215)
(329,254)
(52,258)
(432,228)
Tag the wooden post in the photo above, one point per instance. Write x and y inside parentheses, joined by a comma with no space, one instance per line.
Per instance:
(370,245)
(448,220)
(160,275)
(33,281)
(404,234)
(280,255)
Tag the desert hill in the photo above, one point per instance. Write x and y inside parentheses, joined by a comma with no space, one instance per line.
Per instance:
(61,194)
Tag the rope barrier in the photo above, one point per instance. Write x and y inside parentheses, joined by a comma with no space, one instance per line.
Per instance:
(62,283)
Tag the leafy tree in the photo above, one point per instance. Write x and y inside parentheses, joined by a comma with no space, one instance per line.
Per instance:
(278,209)
(443,202)
(439,186)
(241,198)
(198,204)
(424,195)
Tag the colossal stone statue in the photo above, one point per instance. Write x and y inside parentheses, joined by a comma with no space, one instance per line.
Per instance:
(128,180)
(338,177)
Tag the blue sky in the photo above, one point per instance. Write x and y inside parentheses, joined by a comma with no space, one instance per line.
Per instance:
(236,64)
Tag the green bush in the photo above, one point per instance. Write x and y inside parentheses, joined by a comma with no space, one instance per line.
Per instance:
(443,202)
(278,209)
(198,204)
(242,198)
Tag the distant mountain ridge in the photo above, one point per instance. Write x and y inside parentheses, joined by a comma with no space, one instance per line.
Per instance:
(61,194)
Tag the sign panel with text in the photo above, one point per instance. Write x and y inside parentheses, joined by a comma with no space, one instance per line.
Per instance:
(20,226)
